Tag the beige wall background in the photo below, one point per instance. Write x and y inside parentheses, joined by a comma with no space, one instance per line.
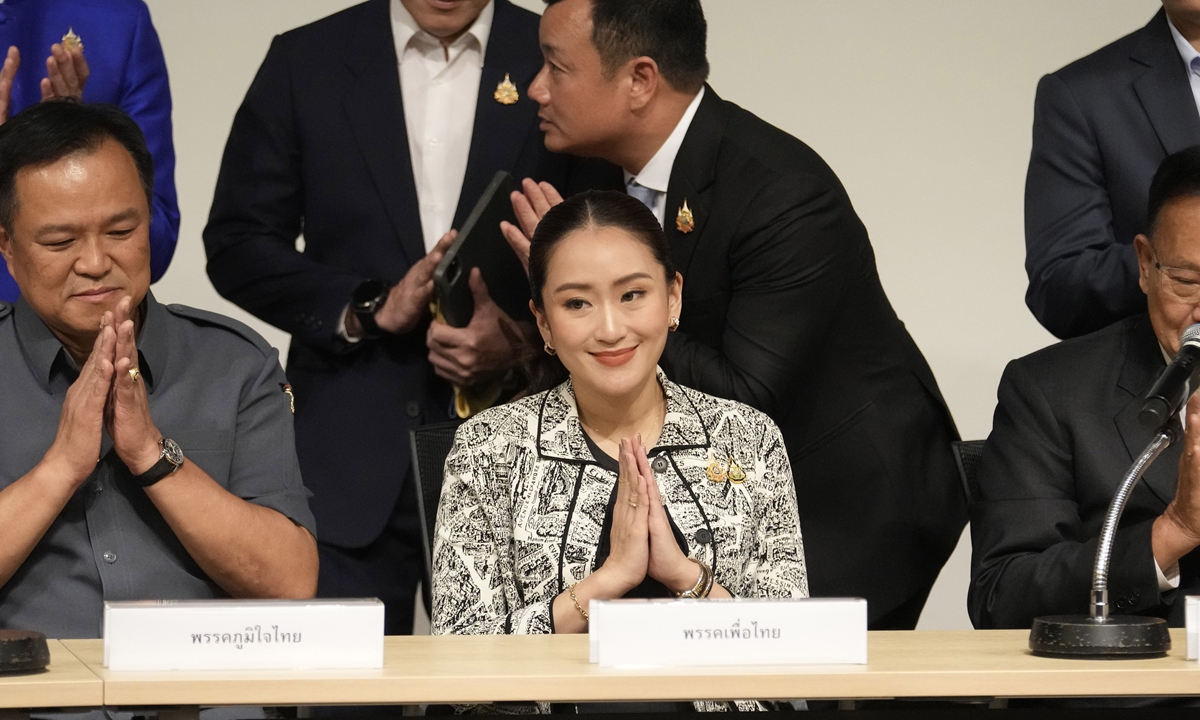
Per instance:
(922,107)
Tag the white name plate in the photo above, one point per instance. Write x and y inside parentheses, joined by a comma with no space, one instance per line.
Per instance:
(243,634)
(665,633)
(1192,619)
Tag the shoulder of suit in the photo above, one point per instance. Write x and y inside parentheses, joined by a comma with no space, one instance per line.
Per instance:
(1113,57)
(1065,358)
(711,407)
(776,154)
(510,419)
(212,320)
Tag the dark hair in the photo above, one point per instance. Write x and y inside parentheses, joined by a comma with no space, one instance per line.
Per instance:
(1178,176)
(673,32)
(593,209)
(50,131)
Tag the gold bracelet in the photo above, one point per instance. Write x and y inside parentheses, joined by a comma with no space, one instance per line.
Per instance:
(703,584)
(576,601)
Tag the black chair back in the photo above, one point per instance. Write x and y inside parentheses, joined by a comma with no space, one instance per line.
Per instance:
(966,455)
(430,446)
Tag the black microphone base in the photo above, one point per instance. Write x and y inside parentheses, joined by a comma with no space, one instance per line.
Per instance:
(23,651)
(1080,636)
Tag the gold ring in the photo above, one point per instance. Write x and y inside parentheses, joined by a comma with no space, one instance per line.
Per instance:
(134,374)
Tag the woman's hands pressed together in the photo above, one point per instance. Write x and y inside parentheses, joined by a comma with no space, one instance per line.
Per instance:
(641,544)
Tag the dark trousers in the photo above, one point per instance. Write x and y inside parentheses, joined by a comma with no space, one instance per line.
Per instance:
(390,568)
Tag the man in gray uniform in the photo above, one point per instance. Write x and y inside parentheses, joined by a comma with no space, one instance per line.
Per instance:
(146,451)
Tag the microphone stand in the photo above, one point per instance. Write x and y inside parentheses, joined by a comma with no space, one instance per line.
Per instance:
(1099,635)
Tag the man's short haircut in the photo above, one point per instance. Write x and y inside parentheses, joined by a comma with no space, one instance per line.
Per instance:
(50,131)
(673,32)
(1178,176)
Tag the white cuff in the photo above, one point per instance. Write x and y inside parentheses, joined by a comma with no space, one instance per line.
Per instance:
(341,331)
(1169,580)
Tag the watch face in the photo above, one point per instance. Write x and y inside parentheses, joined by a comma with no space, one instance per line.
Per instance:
(172,452)
(369,294)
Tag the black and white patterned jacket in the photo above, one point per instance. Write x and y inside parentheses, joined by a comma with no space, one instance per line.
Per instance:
(524,502)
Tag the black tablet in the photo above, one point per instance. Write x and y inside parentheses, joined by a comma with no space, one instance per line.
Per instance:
(480,244)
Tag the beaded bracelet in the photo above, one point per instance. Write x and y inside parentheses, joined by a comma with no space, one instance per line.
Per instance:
(576,601)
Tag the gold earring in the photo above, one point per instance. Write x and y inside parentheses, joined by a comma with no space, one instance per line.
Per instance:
(673,325)
(550,350)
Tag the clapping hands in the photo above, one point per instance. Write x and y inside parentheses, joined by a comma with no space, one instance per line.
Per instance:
(66,75)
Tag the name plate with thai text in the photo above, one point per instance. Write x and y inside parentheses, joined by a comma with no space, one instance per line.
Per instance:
(680,633)
(243,634)
(1191,617)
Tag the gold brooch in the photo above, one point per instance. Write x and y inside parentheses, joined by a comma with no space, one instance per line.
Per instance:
(291,398)
(506,93)
(735,473)
(70,41)
(715,472)
(685,222)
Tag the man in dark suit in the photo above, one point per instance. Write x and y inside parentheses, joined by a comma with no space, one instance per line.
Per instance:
(1065,432)
(782,308)
(1101,127)
(329,142)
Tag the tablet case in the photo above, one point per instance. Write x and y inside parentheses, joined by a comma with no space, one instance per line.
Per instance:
(481,244)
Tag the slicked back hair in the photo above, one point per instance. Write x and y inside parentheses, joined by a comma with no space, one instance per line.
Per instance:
(673,32)
(50,131)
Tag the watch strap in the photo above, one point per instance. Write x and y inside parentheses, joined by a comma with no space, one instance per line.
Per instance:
(160,469)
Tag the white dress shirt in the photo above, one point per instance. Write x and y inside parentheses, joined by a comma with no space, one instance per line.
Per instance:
(440,86)
(657,173)
(1191,59)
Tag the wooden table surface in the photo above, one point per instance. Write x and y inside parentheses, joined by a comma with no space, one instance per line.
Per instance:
(556,668)
(66,683)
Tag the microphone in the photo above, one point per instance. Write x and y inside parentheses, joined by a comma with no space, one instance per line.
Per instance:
(1176,384)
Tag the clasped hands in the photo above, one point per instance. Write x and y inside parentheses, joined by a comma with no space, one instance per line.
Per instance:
(66,74)
(490,343)
(641,541)
(106,397)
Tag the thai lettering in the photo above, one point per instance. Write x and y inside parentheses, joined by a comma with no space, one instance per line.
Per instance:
(254,634)
(734,632)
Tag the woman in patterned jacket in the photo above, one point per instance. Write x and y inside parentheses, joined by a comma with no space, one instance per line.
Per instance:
(616,482)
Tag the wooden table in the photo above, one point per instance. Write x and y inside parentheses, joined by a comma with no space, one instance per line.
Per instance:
(556,669)
(66,683)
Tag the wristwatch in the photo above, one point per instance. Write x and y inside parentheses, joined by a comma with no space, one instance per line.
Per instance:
(170,460)
(366,301)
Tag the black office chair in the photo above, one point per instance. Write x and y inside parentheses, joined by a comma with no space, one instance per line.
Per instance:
(430,446)
(966,455)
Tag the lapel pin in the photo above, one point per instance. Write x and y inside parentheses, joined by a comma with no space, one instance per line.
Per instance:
(70,41)
(506,93)
(735,473)
(685,222)
(715,472)
(287,389)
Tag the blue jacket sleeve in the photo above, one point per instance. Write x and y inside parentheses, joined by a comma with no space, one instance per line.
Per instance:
(146,97)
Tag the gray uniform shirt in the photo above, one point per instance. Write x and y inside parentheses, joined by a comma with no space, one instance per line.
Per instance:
(215,387)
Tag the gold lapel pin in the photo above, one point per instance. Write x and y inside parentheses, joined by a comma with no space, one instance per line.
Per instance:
(685,222)
(735,473)
(715,472)
(70,41)
(506,93)
(287,389)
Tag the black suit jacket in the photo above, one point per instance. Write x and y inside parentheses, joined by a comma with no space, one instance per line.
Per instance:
(783,310)
(319,148)
(1065,433)
(1101,127)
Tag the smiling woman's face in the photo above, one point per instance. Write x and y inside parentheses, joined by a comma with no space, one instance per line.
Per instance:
(606,309)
